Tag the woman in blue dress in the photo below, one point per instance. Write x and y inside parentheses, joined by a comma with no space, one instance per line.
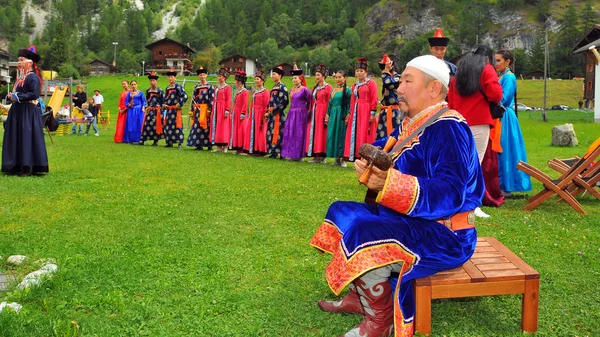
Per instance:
(135,102)
(23,147)
(513,146)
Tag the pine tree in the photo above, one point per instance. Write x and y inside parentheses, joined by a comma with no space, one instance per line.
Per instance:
(566,65)
(589,16)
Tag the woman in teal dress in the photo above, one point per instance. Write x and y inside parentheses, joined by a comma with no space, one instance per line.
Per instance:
(513,146)
(339,107)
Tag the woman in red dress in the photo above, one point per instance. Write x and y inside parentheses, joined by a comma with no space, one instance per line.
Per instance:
(240,112)
(122,119)
(220,130)
(362,120)
(255,138)
(316,131)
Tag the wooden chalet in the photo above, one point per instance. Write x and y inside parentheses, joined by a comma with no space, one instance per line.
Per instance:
(99,67)
(237,62)
(167,53)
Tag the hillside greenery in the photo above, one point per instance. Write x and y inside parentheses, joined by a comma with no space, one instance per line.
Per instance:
(331,32)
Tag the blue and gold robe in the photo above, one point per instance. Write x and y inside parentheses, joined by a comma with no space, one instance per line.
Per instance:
(389,105)
(173,126)
(153,128)
(202,101)
(435,175)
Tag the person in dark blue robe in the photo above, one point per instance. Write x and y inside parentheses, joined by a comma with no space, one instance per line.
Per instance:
(276,115)
(438,45)
(23,147)
(202,101)
(175,98)
(422,221)
(155,98)
(390,115)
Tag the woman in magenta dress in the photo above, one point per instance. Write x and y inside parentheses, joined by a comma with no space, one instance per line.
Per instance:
(294,132)
(122,118)
(220,130)
(362,120)
(316,134)
(255,138)
(240,112)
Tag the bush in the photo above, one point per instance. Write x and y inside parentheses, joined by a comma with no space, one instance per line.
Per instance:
(67,70)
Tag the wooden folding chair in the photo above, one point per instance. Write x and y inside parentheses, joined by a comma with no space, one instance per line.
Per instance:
(567,183)
(586,182)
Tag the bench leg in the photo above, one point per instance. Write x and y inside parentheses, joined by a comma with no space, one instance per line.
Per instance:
(423,310)
(529,315)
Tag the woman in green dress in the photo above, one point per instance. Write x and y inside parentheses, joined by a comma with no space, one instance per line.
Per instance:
(339,107)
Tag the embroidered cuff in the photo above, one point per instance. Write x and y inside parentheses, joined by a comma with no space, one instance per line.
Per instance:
(373,113)
(400,192)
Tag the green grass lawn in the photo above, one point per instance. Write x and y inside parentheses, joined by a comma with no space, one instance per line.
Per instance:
(165,242)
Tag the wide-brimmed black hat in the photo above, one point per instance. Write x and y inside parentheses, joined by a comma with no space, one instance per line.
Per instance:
(322,69)
(438,39)
(278,70)
(201,70)
(153,76)
(171,72)
(30,53)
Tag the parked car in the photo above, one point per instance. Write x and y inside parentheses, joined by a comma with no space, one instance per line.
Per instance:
(560,107)
(523,107)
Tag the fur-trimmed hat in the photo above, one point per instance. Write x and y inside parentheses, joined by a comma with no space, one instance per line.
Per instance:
(362,63)
(223,72)
(201,70)
(278,70)
(261,74)
(438,39)
(241,76)
(30,53)
(171,72)
(322,69)
(153,76)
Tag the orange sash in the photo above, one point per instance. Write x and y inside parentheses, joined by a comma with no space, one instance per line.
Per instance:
(389,126)
(159,129)
(203,118)
(276,130)
(495,134)
(178,121)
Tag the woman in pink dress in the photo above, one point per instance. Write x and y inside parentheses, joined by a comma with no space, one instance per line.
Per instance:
(316,131)
(240,111)
(122,118)
(220,130)
(255,138)
(362,120)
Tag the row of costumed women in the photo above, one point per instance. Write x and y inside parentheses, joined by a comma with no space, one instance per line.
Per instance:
(325,121)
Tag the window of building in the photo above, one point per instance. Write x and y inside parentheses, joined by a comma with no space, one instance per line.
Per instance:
(590,68)
(160,52)
(589,85)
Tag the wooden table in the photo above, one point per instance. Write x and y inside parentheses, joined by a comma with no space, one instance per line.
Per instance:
(492,270)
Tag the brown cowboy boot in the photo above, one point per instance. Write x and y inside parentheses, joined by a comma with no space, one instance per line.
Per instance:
(346,305)
(377,303)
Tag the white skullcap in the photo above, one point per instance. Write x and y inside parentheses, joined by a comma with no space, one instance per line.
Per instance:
(433,67)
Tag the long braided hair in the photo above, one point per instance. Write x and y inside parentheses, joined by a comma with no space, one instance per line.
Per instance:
(345,98)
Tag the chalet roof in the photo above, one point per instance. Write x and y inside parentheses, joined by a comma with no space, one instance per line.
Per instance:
(591,38)
(232,56)
(537,71)
(100,61)
(166,39)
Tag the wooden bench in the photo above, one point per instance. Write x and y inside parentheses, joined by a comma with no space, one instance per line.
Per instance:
(492,270)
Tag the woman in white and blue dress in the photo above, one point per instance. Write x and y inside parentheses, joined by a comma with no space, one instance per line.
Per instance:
(513,146)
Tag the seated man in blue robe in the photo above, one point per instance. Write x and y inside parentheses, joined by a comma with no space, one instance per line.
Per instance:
(422,222)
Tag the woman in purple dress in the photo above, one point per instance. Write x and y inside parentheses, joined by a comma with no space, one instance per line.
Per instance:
(294,134)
